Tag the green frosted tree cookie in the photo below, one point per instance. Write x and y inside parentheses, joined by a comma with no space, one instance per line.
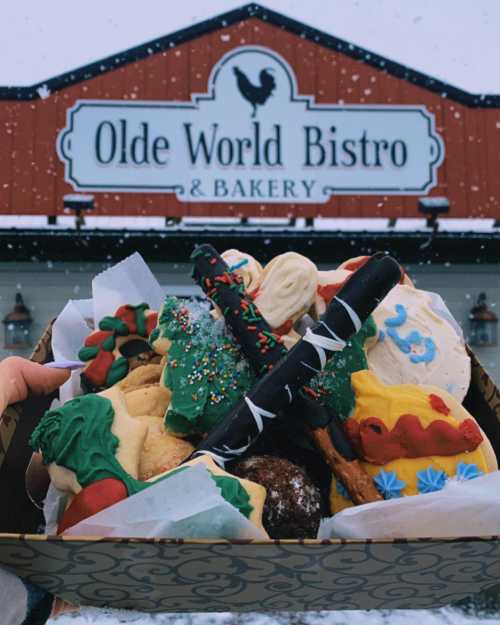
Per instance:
(206,371)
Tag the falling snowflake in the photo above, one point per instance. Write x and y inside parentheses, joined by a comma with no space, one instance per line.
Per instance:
(43,92)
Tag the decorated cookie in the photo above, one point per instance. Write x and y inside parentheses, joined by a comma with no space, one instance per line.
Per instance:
(161,451)
(293,504)
(417,344)
(411,439)
(332,387)
(137,378)
(91,438)
(205,372)
(287,290)
(329,284)
(119,345)
(355,263)
(150,399)
(93,448)
(245,266)
(245,495)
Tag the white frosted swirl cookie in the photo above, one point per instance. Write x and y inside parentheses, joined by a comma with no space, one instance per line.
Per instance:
(418,344)
(287,290)
(245,266)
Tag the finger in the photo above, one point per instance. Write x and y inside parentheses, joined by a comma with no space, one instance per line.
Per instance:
(18,377)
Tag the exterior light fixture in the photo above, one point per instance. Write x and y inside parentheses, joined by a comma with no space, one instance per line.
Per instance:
(431,207)
(17,326)
(79,204)
(483,324)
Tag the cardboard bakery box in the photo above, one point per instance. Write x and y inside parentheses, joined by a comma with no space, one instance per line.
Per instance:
(160,575)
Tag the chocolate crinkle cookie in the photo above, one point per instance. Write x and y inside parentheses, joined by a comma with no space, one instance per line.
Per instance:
(293,504)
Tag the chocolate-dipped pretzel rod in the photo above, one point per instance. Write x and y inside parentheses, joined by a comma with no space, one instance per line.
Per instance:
(261,346)
(281,387)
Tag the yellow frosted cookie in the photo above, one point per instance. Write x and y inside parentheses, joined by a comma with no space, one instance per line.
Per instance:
(412,438)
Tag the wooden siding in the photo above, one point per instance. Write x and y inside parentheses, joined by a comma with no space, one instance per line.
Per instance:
(32,177)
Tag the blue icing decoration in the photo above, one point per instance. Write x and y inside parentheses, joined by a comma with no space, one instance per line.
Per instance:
(467,471)
(429,353)
(241,263)
(430,480)
(388,484)
(413,338)
(403,344)
(341,489)
(399,319)
(381,336)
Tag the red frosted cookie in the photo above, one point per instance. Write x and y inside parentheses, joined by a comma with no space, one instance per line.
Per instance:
(120,344)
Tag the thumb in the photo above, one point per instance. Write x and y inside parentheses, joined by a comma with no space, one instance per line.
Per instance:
(18,377)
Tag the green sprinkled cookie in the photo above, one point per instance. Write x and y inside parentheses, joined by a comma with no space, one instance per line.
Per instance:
(205,372)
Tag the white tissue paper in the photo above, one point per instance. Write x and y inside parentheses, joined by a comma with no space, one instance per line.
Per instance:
(53,508)
(186,505)
(69,331)
(128,282)
(461,508)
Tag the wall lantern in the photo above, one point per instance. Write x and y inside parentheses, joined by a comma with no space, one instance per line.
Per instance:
(483,324)
(78,203)
(17,325)
(431,207)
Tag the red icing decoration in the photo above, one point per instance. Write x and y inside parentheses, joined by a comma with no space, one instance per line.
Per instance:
(127,315)
(356,264)
(408,439)
(96,338)
(151,321)
(92,499)
(438,404)
(98,368)
(255,293)
(284,328)
(328,291)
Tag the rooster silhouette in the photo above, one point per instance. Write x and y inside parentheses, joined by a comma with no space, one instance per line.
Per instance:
(256,95)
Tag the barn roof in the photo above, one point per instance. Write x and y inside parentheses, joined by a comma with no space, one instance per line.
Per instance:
(324,39)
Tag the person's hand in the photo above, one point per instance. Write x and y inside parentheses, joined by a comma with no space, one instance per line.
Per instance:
(19,376)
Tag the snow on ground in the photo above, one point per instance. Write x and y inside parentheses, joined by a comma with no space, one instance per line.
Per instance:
(445,616)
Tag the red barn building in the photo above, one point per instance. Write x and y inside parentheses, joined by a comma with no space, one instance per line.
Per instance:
(247,114)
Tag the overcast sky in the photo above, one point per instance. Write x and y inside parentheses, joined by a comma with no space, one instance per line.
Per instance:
(457,41)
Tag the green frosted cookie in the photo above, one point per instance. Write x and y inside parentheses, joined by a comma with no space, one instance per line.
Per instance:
(333,384)
(206,371)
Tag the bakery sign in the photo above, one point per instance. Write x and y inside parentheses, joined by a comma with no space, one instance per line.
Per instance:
(250,138)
